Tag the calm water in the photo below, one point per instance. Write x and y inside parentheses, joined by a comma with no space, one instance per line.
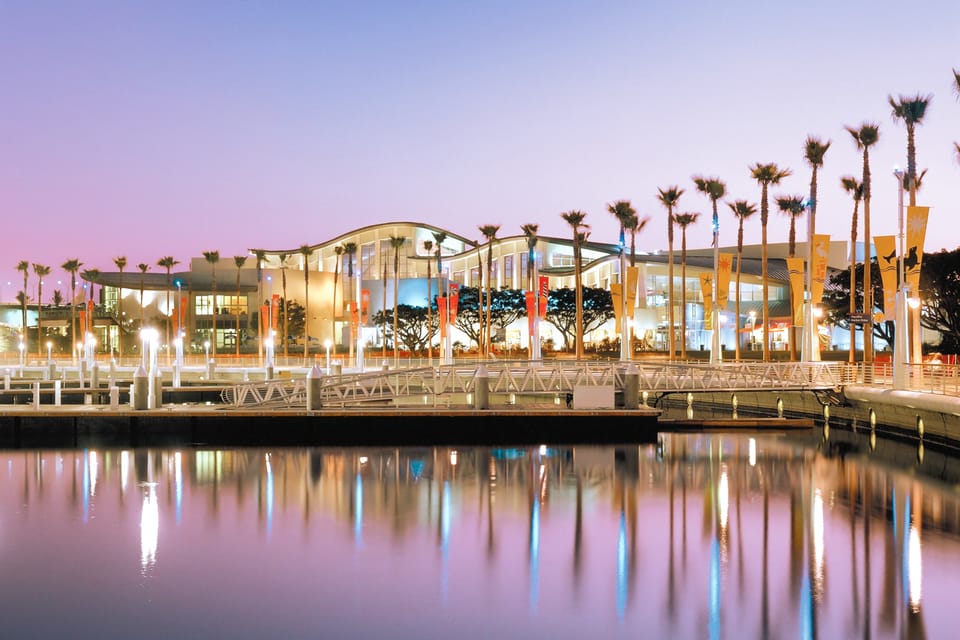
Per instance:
(696,537)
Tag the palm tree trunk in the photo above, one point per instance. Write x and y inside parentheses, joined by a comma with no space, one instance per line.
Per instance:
(867,262)
(683,294)
(670,314)
(578,282)
(306,309)
(429,316)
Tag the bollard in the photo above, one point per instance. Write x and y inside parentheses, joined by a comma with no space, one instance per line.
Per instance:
(6,381)
(156,390)
(336,367)
(50,371)
(385,365)
(246,375)
(631,388)
(114,397)
(314,384)
(95,377)
(176,374)
(140,389)
(211,369)
(36,395)
(57,396)
(268,372)
(481,392)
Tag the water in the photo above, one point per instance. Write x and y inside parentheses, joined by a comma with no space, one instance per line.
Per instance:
(698,536)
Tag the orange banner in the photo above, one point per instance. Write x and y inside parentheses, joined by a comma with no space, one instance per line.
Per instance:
(365,305)
(821,249)
(442,312)
(531,300)
(354,317)
(723,279)
(616,299)
(886,247)
(795,269)
(275,315)
(916,232)
(706,289)
(544,294)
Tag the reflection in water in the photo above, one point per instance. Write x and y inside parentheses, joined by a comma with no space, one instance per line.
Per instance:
(414,542)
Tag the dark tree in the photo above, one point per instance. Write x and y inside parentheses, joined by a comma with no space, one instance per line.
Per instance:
(562,311)
(295,322)
(940,291)
(506,307)
(414,328)
(836,300)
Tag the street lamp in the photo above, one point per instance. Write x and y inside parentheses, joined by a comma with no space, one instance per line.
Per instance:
(179,284)
(901,348)
(206,347)
(49,351)
(327,343)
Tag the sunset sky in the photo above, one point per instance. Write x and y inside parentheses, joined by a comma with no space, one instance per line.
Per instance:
(153,129)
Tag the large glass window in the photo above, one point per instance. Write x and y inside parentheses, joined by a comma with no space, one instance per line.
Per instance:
(203,305)
(508,271)
(368,260)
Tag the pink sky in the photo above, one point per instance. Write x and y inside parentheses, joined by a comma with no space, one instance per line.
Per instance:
(153,130)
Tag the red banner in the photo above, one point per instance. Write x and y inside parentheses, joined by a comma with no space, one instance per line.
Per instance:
(365,305)
(265,320)
(531,309)
(442,312)
(275,316)
(182,313)
(454,301)
(544,292)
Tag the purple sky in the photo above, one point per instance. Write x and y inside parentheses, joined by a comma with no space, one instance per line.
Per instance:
(153,129)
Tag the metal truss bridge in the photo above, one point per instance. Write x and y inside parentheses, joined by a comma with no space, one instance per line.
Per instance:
(446,384)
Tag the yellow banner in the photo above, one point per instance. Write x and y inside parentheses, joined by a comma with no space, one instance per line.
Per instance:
(641,288)
(916,231)
(723,279)
(633,274)
(616,297)
(795,269)
(821,249)
(886,247)
(706,288)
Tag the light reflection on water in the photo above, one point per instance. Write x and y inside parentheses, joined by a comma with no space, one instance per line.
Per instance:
(722,536)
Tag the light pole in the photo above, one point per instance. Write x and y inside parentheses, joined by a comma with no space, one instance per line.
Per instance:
(808,347)
(22,348)
(901,349)
(206,348)
(624,331)
(716,356)
(49,351)
(327,343)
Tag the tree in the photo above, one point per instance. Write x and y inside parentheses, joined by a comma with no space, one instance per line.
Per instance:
(338,250)
(306,251)
(766,175)
(121,262)
(864,138)
(41,272)
(489,232)
(143,267)
(564,311)
(855,188)
(239,261)
(814,151)
(396,242)
(350,250)
(635,225)
(506,307)
(428,247)
(669,198)
(57,298)
(626,215)
(24,267)
(212,257)
(260,256)
(530,233)
(743,210)
(439,238)
(684,220)
(71,267)
(836,300)
(292,316)
(940,288)
(794,207)
(575,219)
(414,329)
(168,262)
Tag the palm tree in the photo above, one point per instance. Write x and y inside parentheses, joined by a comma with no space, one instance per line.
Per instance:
(910,110)
(239,261)
(338,250)
(865,137)
(260,256)
(168,262)
(635,225)
(41,272)
(626,215)
(855,189)
(794,207)
(213,257)
(71,267)
(814,151)
(144,267)
(766,175)
(714,188)
(575,219)
(24,267)
(684,220)
(530,233)
(121,262)
(743,210)
(306,252)
(397,243)
(489,232)
(428,247)
(350,250)
(283,287)
(669,198)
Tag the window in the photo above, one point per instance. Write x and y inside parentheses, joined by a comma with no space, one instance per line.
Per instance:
(508,271)
(368,260)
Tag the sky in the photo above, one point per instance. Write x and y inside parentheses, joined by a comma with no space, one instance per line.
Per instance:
(154,129)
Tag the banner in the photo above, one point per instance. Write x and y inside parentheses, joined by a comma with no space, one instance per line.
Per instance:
(442,313)
(706,288)
(616,297)
(83,321)
(531,300)
(364,305)
(916,232)
(183,313)
(723,279)
(795,269)
(275,315)
(544,293)
(821,249)
(454,301)
(265,320)
(886,247)
(633,275)
(354,317)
